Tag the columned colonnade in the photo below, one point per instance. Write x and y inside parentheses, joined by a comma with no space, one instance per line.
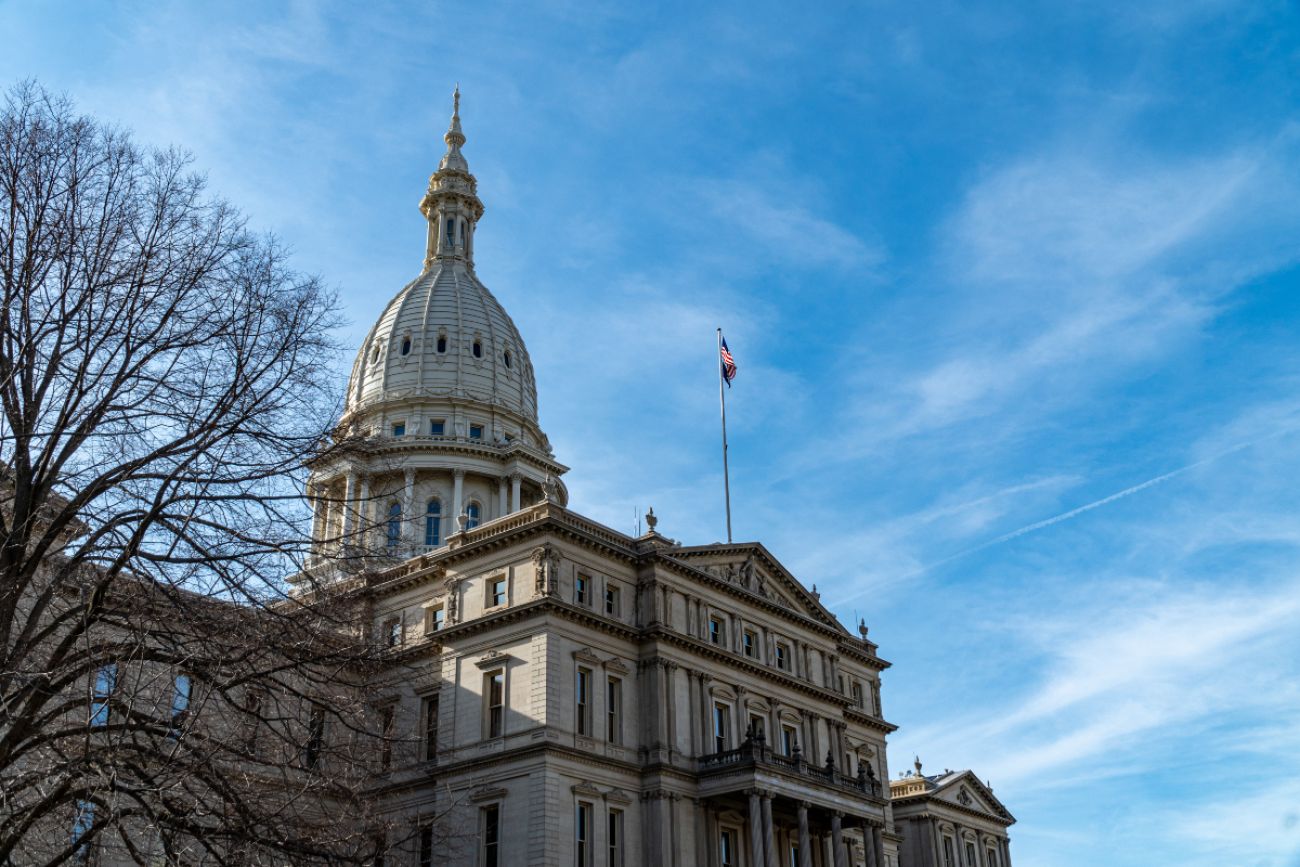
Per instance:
(351,514)
(763,836)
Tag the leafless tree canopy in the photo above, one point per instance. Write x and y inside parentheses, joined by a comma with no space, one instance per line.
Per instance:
(163,376)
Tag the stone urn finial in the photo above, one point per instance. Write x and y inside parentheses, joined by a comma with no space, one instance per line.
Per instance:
(862,628)
(462,522)
(650,519)
(917,764)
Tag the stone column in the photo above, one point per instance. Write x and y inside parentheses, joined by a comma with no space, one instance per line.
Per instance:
(408,503)
(805,844)
(515,481)
(837,839)
(756,830)
(349,505)
(1006,852)
(871,843)
(457,498)
(769,835)
(501,498)
(363,510)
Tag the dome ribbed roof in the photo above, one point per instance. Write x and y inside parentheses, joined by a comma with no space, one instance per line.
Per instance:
(400,358)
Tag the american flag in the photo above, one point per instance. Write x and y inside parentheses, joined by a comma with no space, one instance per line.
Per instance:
(728,364)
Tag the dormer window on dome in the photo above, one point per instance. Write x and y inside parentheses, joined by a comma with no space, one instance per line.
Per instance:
(442,342)
(406,345)
(506,357)
(478,349)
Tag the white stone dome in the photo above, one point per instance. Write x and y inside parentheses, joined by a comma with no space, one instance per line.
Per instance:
(444,336)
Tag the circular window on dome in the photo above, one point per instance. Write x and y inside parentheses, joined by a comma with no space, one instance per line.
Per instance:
(478,349)
(406,345)
(507,357)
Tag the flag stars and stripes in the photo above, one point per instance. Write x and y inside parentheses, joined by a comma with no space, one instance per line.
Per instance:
(728,364)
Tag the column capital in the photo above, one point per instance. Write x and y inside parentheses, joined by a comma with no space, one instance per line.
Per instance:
(516,476)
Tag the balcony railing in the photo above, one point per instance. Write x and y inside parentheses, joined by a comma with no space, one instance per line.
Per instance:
(754,752)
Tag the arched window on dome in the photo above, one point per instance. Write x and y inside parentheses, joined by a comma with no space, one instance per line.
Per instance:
(394,528)
(433,524)
(451,230)
(507,357)
(442,341)
(478,349)
(475,514)
(406,345)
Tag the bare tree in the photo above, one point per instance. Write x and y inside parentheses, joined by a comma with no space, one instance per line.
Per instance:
(164,375)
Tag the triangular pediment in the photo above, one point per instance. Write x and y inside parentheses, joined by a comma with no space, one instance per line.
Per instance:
(753,568)
(966,791)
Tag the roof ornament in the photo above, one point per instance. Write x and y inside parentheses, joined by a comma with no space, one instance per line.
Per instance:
(917,764)
(651,520)
(454,138)
(862,628)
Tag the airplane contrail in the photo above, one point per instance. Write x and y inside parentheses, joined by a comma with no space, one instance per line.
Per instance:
(1075,512)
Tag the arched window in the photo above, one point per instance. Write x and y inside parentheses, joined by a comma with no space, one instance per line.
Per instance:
(475,514)
(406,345)
(442,342)
(433,523)
(394,529)
(507,357)
(451,230)
(478,349)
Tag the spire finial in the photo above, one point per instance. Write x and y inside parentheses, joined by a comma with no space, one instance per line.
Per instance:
(454,137)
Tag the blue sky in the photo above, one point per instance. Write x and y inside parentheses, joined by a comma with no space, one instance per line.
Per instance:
(1013,290)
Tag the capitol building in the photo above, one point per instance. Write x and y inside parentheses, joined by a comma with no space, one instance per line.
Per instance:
(561,693)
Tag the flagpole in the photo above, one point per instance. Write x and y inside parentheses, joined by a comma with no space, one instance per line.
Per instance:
(722,402)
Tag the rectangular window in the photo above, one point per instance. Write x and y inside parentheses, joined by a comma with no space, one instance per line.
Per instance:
(315,738)
(584,701)
(856,690)
(970,854)
(727,848)
(392,632)
(182,692)
(757,726)
(82,822)
(582,822)
(614,838)
(426,846)
(437,618)
(720,727)
(794,856)
(749,643)
(990,857)
(782,656)
(611,600)
(437,427)
(387,716)
(492,836)
(399,428)
(495,695)
(105,686)
(496,592)
(476,431)
(582,590)
(788,739)
(254,700)
(430,716)
(717,631)
(614,710)
(948,857)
